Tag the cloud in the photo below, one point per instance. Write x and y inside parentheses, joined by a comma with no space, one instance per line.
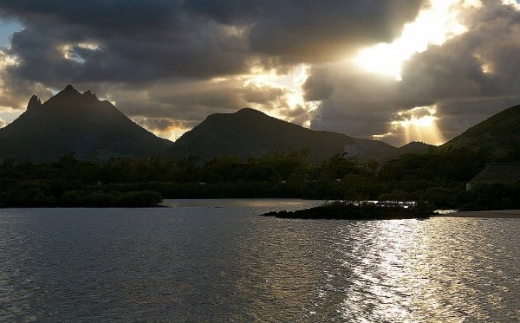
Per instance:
(311,31)
(164,127)
(3,123)
(473,73)
(169,64)
(361,105)
(50,55)
(467,79)
(116,18)
(317,87)
(147,41)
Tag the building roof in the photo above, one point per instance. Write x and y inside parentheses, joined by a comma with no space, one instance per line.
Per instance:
(509,172)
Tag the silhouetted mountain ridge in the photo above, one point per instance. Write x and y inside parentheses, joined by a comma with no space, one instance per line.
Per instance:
(74,122)
(498,135)
(249,132)
(78,122)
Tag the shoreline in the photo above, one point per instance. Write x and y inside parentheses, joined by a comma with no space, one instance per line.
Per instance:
(493,214)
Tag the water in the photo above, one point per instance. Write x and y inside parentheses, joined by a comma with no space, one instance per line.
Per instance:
(217,261)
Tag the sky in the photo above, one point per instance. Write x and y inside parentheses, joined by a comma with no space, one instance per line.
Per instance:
(392,70)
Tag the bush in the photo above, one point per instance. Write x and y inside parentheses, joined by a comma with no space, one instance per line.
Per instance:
(71,198)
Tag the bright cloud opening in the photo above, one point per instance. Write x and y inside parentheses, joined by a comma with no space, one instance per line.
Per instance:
(418,124)
(70,53)
(434,25)
(291,84)
(170,129)
(7,113)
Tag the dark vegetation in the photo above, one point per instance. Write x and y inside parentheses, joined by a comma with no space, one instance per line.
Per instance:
(344,210)
(491,196)
(436,177)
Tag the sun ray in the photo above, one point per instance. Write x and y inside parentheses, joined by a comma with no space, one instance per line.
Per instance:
(419,124)
(434,25)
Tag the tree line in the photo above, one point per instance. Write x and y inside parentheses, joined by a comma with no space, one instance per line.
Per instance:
(436,177)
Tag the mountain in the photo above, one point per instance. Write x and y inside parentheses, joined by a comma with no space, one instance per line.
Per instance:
(75,122)
(498,134)
(250,132)
(413,147)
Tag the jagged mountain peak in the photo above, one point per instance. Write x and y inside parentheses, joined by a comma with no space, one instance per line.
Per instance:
(74,122)
(66,97)
(70,88)
(34,102)
(89,94)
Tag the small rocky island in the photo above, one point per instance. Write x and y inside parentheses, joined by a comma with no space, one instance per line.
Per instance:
(339,210)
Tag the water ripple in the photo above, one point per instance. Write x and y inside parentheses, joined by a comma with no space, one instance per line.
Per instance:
(198,263)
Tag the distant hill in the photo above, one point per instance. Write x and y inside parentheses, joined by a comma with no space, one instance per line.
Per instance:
(250,132)
(415,147)
(498,134)
(74,122)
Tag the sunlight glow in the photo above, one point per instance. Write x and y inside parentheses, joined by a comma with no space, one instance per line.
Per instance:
(419,124)
(8,60)
(290,87)
(69,53)
(7,113)
(433,26)
(172,132)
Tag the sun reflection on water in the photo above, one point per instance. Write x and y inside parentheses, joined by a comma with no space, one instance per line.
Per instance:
(416,271)
(201,263)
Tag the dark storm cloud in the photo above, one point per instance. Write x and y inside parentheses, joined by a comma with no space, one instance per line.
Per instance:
(358,118)
(468,78)
(116,17)
(310,31)
(146,41)
(193,54)
(317,87)
(313,31)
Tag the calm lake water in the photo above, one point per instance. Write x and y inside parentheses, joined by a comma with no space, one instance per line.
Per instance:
(217,261)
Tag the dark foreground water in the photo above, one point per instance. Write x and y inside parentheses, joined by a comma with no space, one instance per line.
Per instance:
(196,262)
